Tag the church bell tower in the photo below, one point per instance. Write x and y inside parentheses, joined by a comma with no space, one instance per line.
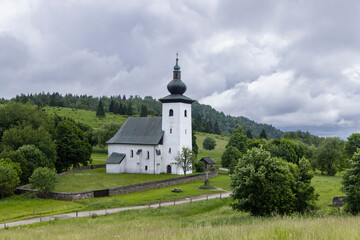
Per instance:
(176,121)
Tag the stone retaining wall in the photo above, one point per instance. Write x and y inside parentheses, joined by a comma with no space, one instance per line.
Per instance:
(117,190)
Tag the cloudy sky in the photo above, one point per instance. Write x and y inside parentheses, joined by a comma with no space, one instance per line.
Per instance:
(293,64)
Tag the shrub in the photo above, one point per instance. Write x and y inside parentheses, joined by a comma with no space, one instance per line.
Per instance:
(8,179)
(351,185)
(212,169)
(209,143)
(263,185)
(43,179)
(199,166)
(230,156)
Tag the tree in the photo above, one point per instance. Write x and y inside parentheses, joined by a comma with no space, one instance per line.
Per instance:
(8,179)
(105,132)
(16,137)
(263,134)
(111,106)
(238,140)
(32,159)
(353,142)
(43,179)
(230,157)
(184,159)
(329,155)
(73,148)
(249,134)
(195,147)
(351,185)
(263,185)
(217,129)
(209,143)
(17,114)
(100,110)
(144,111)
(129,109)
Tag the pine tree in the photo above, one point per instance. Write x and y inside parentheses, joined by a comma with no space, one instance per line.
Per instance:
(249,134)
(263,134)
(129,110)
(144,111)
(100,110)
(217,128)
(111,106)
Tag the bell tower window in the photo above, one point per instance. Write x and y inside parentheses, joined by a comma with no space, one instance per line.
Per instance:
(185,113)
(171,113)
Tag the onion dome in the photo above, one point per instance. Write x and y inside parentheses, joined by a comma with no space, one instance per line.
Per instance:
(176,86)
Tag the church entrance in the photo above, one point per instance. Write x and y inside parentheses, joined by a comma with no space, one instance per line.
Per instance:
(168,169)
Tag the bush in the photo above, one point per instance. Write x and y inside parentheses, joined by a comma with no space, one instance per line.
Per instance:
(199,166)
(212,169)
(8,179)
(351,185)
(209,143)
(230,157)
(263,185)
(43,179)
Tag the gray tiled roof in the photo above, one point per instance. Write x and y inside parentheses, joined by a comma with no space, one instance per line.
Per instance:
(115,158)
(208,160)
(139,130)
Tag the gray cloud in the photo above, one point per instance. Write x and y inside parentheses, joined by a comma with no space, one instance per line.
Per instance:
(293,64)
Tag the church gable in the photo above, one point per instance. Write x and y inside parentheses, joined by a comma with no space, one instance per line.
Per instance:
(139,131)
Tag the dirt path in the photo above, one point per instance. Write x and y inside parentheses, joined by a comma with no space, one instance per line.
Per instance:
(113,210)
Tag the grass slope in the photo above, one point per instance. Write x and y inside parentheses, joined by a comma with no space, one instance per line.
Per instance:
(211,219)
(87,117)
(216,153)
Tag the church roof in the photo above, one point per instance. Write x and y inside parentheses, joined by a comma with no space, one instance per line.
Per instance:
(115,158)
(140,131)
(176,98)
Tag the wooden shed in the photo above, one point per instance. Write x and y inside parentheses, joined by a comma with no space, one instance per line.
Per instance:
(209,162)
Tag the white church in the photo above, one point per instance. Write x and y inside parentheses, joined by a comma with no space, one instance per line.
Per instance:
(150,144)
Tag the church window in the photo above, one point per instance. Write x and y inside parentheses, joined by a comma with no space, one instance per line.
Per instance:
(169,150)
(185,113)
(170,130)
(148,155)
(185,131)
(171,112)
(131,153)
(146,168)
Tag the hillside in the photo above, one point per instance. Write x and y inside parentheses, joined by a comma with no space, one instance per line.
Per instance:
(121,105)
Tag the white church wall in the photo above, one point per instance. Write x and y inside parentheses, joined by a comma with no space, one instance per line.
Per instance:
(134,163)
(177,133)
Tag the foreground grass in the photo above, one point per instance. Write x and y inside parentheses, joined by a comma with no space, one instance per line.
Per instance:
(212,219)
(86,180)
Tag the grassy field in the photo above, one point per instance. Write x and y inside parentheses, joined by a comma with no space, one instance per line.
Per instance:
(87,180)
(85,116)
(212,219)
(20,207)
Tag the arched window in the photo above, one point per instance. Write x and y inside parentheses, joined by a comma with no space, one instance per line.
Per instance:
(185,113)
(171,113)
(132,153)
(170,130)
(148,155)
(169,150)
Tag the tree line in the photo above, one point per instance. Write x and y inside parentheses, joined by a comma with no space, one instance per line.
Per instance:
(205,118)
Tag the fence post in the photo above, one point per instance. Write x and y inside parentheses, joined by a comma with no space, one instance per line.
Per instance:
(4,223)
(220,195)
(77,212)
(190,200)
(40,216)
(207,197)
(174,201)
(149,205)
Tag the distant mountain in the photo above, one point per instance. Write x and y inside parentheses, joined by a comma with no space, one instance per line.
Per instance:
(208,119)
